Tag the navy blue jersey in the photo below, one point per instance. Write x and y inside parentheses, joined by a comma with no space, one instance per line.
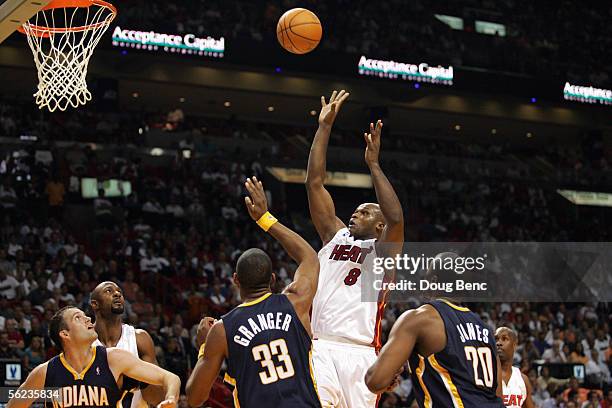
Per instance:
(94,387)
(269,355)
(464,374)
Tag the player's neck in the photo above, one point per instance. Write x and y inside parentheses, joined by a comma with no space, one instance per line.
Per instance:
(79,357)
(109,330)
(506,366)
(254,295)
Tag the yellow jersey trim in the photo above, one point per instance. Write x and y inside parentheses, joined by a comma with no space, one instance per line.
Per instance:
(229,380)
(254,302)
(77,375)
(232,381)
(454,306)
(448,382)
(419,372)
(120,402)
(314,381)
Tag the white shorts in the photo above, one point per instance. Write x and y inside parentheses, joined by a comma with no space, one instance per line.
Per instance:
(339,369)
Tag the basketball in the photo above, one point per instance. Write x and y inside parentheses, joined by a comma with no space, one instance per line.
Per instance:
(299,31)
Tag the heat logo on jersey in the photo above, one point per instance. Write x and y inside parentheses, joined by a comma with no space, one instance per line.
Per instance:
(351,253)
(513,400)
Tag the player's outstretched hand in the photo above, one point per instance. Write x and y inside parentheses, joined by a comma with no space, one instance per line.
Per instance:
(373,143)
(257,203)
(330,109)
(168,403)
(203,328)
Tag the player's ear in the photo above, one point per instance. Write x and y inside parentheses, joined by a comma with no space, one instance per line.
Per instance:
(93,304)
(272,280)
(380,225)
(64,334)
(235,280)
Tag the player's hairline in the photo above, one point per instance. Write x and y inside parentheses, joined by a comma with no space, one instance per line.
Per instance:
(101,286)
(512,332)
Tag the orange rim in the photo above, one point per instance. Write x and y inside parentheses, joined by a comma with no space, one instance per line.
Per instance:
(42,31)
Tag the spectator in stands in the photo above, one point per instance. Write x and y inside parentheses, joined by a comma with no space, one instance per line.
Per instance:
(103,209)
(55,191)
(6,351)
(545,379)
(578,356)
(607,402)
(8,285)
(34,354)
(554,354)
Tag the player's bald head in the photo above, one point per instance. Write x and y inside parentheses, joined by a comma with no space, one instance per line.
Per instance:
(95,294)
(507,331)
(254,269)
(376,211)
(367,221)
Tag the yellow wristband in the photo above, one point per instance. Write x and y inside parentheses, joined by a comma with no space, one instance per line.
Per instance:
(266,221)
(201,352)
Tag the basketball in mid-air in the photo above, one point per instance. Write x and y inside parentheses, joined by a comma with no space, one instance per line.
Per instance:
(299,31)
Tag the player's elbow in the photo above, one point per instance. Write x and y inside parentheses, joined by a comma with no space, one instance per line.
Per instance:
(195,397)
(394,218)
(374,384)
(313,181)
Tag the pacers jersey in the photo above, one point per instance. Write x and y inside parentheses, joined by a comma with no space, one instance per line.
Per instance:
(337,309)
(94,387)
(464,374)
(515,391)
(269,355)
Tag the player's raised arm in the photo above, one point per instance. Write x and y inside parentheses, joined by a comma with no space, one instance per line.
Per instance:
(206,370)
(35,381)
(322,210)
(304,285)
(390,205)
(123,362)
(395,352)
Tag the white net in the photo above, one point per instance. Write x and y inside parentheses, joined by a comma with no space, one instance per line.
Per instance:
(62,41)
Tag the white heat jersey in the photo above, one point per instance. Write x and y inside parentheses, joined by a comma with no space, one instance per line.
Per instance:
(337,310)
(127,342)
(515,391)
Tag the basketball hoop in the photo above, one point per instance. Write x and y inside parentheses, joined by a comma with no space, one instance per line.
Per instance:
(62,37)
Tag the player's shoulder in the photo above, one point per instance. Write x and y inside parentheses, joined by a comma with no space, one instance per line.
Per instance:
(419,316)
(40,370)
(340,236)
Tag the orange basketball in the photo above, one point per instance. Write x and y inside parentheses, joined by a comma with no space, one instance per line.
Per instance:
(299,31)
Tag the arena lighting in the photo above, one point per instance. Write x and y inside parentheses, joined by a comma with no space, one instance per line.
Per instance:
(587,198)
(227,104)
(180,44)
(587,94)
(313,113)
(333,178)
(457,127)
(412,72)
(156,151)
(270,108)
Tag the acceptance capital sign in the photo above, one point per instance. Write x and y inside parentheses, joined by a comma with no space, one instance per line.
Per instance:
(181,44)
